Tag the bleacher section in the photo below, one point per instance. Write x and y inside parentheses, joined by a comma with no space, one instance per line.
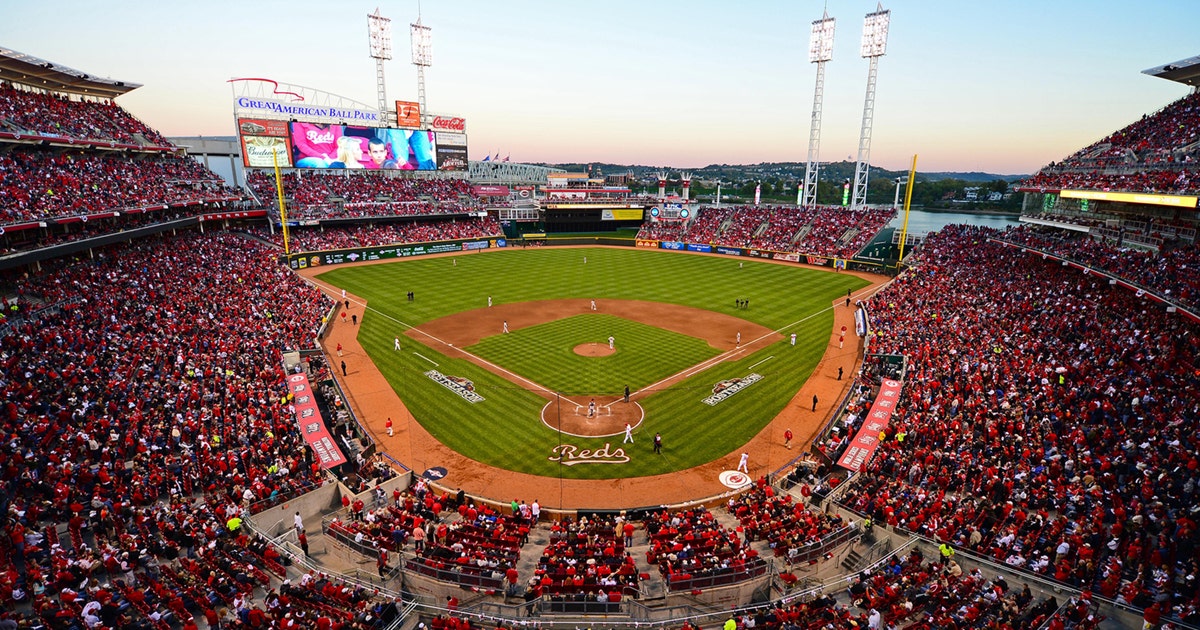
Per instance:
(820,231)
(1159,153)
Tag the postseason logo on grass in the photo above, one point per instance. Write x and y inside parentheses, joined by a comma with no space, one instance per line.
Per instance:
(456,384)
(727,388)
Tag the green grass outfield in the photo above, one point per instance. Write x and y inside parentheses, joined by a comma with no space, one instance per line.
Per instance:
(505,429)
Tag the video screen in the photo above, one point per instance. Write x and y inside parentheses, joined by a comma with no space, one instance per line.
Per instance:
(264,142)
(316,145)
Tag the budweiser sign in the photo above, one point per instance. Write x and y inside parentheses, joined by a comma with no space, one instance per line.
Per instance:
(448,123)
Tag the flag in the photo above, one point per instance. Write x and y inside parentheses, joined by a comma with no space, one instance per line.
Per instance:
(505,159)
(487,159)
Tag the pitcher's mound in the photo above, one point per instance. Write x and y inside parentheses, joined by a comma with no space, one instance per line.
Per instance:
(593,350)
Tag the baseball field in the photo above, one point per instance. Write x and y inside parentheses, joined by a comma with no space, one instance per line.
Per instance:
(702,342)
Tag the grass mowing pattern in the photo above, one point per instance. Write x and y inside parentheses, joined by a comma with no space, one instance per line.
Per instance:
(545,354)
(505,430)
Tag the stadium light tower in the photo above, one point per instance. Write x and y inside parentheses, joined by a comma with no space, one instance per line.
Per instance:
(422,57)
(874,46)
(820,50)
(379,30)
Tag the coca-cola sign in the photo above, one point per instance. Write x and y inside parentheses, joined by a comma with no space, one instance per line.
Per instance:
(448,123)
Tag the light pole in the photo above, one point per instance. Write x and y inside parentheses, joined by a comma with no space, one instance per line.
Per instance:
(874,46)
(820,50)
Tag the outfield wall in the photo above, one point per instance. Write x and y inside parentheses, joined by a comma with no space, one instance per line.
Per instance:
(305,260)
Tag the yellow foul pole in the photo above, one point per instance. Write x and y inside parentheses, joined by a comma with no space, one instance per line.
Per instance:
(912,180)
(282,209)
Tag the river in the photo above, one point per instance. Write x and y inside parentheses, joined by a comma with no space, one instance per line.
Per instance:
(923,222)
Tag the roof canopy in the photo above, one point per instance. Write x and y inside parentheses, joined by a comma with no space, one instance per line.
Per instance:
(1185,71)
(18,67)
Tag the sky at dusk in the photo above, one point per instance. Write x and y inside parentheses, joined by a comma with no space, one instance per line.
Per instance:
(1001,87)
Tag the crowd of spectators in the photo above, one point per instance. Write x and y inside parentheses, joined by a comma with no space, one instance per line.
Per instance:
(1154,154)
(787,525)
(910,592)
(1184,180)
(342,237)
(588,556)
(24,110)
(133,383)
(311,194)
(783,228)
(662,231)
(692,543)
(1153,138)
(57,234)
(37,185)
(1046,421)
(706,224)
(1173,272)
(743,225)
(821,231)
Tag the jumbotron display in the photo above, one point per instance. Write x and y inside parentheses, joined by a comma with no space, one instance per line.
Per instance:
(313,145)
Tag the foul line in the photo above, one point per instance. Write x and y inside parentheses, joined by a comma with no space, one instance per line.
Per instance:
(700,367)
(435,363)
(761,362)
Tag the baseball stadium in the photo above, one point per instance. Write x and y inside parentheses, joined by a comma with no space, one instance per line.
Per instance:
(331,373)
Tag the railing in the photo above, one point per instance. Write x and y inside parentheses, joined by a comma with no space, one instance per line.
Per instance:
(818,548)
(756,568)
(454,576)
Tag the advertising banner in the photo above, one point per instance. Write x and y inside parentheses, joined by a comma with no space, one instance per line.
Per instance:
(675,245)
(312,426)
(729,251)
(261,140)
(863,446)
(641,242)
(408,115)
(318,259)
(316,145)
(699,247)
(261,152)
(446,138)
(632,214)
(448,123)
(451,158)
(484,190)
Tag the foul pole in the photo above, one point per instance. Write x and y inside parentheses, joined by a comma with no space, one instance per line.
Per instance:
(282,208)
(912,181)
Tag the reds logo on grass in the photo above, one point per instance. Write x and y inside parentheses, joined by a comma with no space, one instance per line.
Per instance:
(571,455)
(729,387)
